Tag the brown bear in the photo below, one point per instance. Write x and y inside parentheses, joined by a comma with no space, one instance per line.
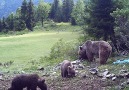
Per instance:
(31,81)
(89,49)
(67,69)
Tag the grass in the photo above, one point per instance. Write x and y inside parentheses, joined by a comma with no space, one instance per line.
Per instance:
(26,48)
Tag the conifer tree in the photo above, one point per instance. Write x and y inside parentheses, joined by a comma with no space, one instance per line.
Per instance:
(100,22)
(56,11)
(67,10)
(24,10)
(30,23)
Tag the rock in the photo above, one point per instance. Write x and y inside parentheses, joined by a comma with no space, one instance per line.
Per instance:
(128,81)
(77,62)
(93,71)
(23,72)
(81,66)
(108,76)
(105,73)
(100,75)
(114,78)
(112,75)
(123,85)
(1,77)
(120,76)
(127,74)
(40,68)
(73,62)
(104,79)
(123,71)
(83,75)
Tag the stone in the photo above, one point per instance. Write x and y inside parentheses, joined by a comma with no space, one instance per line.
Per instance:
(127,81)
(1,77)
(40,68)
(105,73)
(93,71)
(100,75)
(114,78)
(81,66)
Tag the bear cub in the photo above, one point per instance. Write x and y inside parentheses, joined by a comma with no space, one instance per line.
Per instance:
(29,81)
(67,69)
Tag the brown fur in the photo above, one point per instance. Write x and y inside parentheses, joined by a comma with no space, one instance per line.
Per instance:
(101,49)
(67,69)
(31,81)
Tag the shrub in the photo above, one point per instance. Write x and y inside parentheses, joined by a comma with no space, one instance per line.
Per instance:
(64,50)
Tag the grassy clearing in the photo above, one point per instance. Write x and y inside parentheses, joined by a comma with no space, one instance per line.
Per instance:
(28,48)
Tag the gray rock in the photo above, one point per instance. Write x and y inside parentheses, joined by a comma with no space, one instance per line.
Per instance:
(128,81)
(105,73)
(1,77)
(40,68)
(81,66)
(77,62)
(108,75)
(114,78)
(123,71)
(93,71)
(100,75)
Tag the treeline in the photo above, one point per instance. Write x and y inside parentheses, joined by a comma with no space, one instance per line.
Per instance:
(29,14)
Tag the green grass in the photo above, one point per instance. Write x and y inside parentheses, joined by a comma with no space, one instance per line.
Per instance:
(26,48)
(31,46)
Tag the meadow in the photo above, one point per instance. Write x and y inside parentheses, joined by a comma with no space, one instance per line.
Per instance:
(29,47)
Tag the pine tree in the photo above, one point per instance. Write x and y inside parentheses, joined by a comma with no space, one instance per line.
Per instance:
(24,10)
(10,22)
(4,25)
(0,25)
(100,22)
(19,23)
(56,11)
(67,10)
(30,23)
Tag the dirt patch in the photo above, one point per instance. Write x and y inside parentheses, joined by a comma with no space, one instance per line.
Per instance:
(77,83)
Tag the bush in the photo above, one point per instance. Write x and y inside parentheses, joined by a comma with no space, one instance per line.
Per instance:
(64,50)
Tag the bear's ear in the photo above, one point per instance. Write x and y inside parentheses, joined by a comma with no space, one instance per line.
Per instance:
(80,47)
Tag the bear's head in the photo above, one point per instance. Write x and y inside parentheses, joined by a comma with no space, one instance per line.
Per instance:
(82,53)
(71,71)
(41,84)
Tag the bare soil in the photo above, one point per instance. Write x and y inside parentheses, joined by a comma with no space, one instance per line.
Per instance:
(91,82)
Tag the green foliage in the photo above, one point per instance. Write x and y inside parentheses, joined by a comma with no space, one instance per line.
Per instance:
(67,9)
(64,50)
(100,22)
(78,12)
(30,16)
(56,11)
(121,15)
(24,10)
(42,11)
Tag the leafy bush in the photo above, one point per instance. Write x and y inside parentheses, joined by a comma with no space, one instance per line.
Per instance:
(64,50)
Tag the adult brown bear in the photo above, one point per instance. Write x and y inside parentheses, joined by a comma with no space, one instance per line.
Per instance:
(101,49)
(67,69)
(31,81)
